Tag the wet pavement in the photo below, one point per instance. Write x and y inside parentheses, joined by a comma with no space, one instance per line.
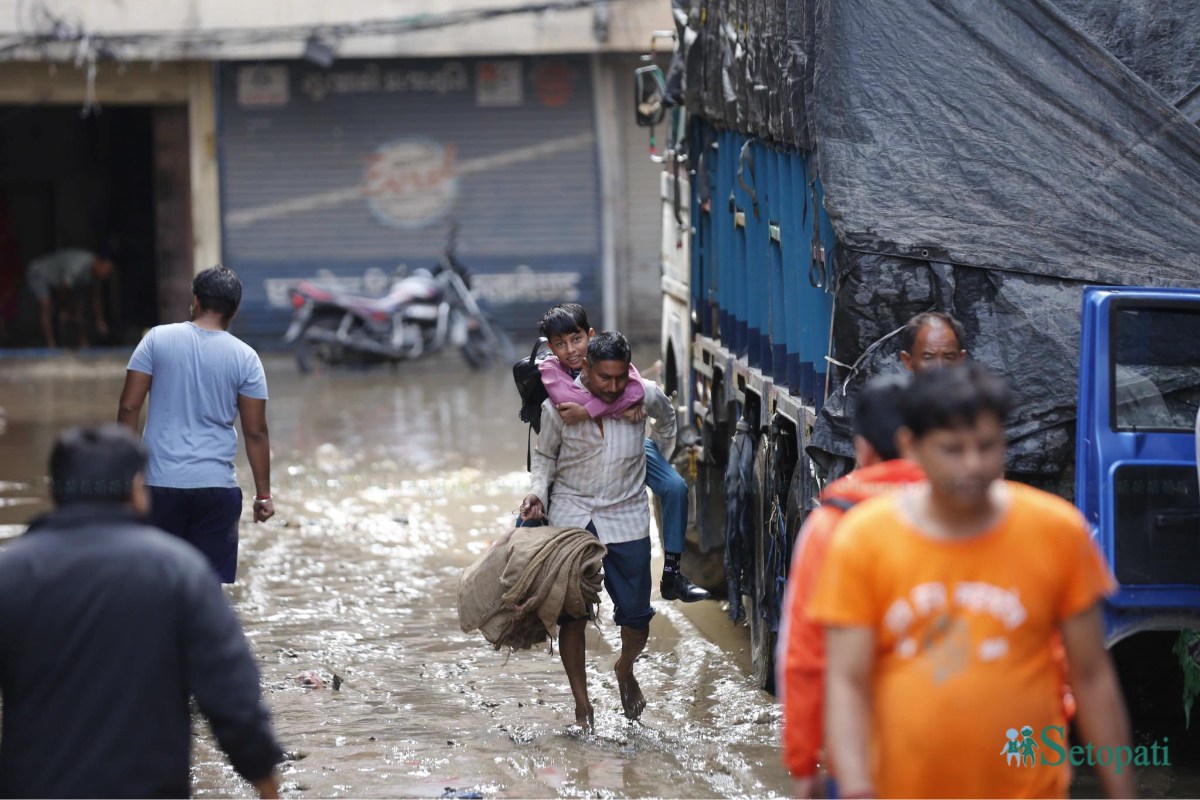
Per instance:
(387,483)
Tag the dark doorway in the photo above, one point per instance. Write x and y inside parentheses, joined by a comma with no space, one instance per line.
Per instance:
(72,181)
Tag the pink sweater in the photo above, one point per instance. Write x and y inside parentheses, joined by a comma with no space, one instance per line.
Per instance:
(562,388)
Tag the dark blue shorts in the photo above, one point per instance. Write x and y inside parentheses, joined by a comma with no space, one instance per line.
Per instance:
(205,518)
(627,579)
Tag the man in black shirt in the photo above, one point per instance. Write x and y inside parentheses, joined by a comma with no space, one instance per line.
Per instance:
(108,628)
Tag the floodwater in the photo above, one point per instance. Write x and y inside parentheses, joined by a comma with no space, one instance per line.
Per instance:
(387,483)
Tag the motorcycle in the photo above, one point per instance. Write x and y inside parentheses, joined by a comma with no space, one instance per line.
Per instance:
(421,314)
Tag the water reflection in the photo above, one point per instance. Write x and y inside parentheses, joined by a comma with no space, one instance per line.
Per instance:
(388,483)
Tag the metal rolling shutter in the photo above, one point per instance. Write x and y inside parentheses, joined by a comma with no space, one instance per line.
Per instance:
(364,167)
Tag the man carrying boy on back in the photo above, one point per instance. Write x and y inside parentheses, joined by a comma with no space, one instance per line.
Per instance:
(593,476)
(943,600)
(566,328)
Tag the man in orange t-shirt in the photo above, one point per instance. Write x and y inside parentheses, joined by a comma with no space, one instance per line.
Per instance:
(800,660)
(940,605)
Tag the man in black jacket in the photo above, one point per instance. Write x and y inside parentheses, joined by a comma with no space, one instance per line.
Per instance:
(108,627)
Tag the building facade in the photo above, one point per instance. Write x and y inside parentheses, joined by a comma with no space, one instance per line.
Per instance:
(308,141)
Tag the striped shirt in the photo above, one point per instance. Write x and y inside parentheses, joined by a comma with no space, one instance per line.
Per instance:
(598,469)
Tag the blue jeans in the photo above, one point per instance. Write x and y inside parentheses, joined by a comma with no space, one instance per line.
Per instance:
(672,492)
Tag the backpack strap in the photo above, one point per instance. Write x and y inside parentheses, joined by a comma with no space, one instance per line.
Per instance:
(840,503)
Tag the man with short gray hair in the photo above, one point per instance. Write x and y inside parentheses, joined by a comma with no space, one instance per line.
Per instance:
(930,340)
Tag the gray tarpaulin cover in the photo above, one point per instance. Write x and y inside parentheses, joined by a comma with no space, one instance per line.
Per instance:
(984,158)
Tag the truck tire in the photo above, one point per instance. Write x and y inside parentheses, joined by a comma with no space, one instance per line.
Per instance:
(702,552)
(774,473)
(785,484)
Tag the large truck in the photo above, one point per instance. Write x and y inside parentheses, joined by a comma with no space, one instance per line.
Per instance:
(1030,166)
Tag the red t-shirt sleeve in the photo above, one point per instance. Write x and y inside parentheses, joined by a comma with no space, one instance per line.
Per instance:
(802,667)
(843,594)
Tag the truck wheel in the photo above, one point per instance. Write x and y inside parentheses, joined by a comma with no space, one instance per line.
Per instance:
(770,570)
(741,514)
(779,478)
(772,548)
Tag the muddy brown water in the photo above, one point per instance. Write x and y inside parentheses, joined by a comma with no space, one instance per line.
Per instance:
(387,483)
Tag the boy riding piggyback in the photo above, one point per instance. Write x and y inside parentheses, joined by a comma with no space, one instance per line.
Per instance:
(566,329)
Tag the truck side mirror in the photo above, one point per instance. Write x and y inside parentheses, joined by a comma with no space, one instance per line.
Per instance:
(650,87)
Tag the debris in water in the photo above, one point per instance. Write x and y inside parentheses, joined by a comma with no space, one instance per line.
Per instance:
(310,680)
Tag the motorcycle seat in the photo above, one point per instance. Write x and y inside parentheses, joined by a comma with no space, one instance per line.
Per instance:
(406,291)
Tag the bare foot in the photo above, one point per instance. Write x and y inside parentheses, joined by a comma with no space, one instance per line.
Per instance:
(585,717)
(631,694)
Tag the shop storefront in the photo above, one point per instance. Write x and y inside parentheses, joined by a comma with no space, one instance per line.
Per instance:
(120,164)
(362,169)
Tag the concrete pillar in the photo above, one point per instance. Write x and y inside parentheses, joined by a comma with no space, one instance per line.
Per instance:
(205,178)
(609,161)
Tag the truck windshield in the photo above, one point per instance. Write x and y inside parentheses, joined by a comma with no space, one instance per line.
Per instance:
(1155,368)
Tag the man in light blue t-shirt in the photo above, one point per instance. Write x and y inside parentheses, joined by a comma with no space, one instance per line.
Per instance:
(200,379)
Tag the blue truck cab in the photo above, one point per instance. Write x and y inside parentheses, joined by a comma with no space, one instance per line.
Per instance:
(1136,474)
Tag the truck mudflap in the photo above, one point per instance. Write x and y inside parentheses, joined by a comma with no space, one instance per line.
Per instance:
(1136,474)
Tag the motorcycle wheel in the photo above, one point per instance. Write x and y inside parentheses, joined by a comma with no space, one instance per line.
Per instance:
(482,351)
(308,352)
